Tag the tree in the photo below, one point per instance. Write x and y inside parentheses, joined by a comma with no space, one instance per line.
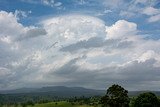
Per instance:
(23,104)
(1,105)
(15,104)
(116,96)
(147,99)
(30,102)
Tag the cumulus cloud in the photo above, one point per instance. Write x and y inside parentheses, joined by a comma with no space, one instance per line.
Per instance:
(80,47)
(121,29)
(8,24)
(125,50)
(102,37)
(71,28)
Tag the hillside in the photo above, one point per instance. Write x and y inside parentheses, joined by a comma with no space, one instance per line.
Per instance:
(60,91)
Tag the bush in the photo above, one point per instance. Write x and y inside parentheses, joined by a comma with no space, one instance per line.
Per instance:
(147,99)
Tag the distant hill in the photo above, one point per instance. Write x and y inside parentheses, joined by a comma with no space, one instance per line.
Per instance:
(60,91)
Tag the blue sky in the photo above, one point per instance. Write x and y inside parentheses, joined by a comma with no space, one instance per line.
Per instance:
(88,43)
(130,10)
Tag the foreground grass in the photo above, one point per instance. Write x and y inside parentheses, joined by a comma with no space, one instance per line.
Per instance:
(60,104)
(55,104)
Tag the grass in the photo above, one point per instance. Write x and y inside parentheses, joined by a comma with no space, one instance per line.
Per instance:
(56,104)
(59,104)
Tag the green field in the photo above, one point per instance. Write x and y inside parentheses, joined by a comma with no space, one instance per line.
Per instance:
(60,104)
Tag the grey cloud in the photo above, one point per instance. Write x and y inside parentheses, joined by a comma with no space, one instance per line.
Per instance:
(53,45)
(136,71)
(32,33)
(124,44)
(25,69)
(130,75)
(7,54)
(72,71)
(92,42)
(69,67)
(97,42)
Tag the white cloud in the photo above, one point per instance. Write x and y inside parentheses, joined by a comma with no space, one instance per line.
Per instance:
(151,11)
(108,54)
(155,18)
(58,4)
(21,14)
(51,3)
(121,29)
(5,39)
(72,28)
(137,8)
(8,24)
(147,55)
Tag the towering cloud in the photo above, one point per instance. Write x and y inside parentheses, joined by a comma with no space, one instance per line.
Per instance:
(83,51)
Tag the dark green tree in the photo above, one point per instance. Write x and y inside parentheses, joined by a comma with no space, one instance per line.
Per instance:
(147,99)
(15,104)
(30,102)
(116,96)
(24,104)
(1,105)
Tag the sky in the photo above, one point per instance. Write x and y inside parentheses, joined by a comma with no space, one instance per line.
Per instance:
(80,43)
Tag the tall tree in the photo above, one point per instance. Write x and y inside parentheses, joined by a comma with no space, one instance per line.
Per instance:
(116,96)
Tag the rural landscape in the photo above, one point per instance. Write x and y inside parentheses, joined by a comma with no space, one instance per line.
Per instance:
(60,96)
(79,53)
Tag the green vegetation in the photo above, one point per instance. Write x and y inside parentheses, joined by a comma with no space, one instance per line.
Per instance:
(54,104)
(147,99)
(60,104)
(116,96)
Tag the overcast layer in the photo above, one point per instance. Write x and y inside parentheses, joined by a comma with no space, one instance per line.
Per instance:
(79,46)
